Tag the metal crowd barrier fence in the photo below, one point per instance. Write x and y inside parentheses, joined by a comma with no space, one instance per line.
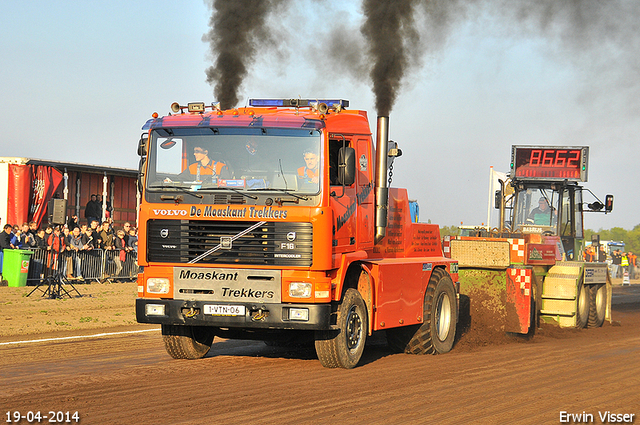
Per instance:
(84,266)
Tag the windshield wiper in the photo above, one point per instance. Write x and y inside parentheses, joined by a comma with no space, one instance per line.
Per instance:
(207,189)
(180,188)
(287,191)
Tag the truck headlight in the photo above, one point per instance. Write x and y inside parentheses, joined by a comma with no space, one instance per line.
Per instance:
(158,285)
(300,289)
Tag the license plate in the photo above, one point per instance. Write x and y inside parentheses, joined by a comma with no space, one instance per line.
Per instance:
(224,310)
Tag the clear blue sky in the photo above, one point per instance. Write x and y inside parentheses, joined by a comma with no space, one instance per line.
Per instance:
(79,78)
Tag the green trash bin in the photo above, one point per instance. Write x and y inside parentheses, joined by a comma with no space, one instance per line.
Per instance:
(15,266)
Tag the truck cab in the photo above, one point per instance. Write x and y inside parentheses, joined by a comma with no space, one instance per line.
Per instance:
(274,222)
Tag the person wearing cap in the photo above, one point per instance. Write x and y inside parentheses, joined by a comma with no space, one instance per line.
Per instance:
(205,166)
(309,172)
(541,215)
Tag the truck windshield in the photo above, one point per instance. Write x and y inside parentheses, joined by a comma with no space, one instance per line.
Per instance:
(537,207)
(244,159)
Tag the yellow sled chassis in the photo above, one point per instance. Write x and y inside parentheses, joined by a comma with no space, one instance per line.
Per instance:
(569,294)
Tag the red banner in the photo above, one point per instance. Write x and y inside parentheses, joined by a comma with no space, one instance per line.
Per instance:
(18,194)
(45,182)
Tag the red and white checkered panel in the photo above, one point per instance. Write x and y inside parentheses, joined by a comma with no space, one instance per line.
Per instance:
(446,246)
(517,250)
(518,314)
(522,278)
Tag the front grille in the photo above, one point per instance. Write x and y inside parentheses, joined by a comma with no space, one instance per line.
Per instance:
(272,244)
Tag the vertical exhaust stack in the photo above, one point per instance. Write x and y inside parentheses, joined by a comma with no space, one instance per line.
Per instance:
(382,190)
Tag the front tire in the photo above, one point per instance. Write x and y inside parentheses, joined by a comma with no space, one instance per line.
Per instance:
(343,348)
(597,305)
(187,342)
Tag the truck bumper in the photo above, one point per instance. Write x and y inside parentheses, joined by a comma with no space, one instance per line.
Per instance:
(261,316)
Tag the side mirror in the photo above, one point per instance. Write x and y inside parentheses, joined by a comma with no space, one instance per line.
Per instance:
(346,166)
(393,151)
(608,203)
(141,174)
(142,145)
(497,200)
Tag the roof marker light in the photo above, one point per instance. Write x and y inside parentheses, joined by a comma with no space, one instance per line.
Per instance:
(299,103)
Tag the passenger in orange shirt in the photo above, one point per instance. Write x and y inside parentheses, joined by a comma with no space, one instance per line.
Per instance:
(309,173)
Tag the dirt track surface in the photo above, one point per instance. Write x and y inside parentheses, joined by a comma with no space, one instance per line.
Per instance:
(129,378)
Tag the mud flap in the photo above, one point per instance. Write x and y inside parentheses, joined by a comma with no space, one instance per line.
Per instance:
(518,302)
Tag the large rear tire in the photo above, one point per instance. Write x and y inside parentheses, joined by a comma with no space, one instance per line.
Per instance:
(187,342)
(582,307)
(597,305)
(343,348)
(437,333)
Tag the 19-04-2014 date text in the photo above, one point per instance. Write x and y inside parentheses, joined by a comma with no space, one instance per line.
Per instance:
(39,417)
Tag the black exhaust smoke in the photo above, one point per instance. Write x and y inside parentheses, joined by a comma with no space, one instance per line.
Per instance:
(388,24)
(237,26)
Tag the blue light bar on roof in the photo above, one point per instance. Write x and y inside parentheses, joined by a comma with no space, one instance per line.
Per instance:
(298,102)
(147,125)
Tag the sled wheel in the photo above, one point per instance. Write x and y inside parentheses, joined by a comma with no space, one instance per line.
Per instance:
(582,307)
(597,305)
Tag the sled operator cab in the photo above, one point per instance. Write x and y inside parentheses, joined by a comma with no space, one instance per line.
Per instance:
(543,195)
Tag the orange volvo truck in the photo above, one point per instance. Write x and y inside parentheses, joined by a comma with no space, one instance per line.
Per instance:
(276,222)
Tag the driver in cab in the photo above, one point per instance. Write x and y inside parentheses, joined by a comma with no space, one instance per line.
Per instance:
(542,214)
(309,172)
(205,166)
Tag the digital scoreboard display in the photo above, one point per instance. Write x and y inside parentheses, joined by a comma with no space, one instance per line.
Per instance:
(549,163)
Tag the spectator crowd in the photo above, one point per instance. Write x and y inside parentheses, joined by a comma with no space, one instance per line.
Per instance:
(72,237)
(620,262)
